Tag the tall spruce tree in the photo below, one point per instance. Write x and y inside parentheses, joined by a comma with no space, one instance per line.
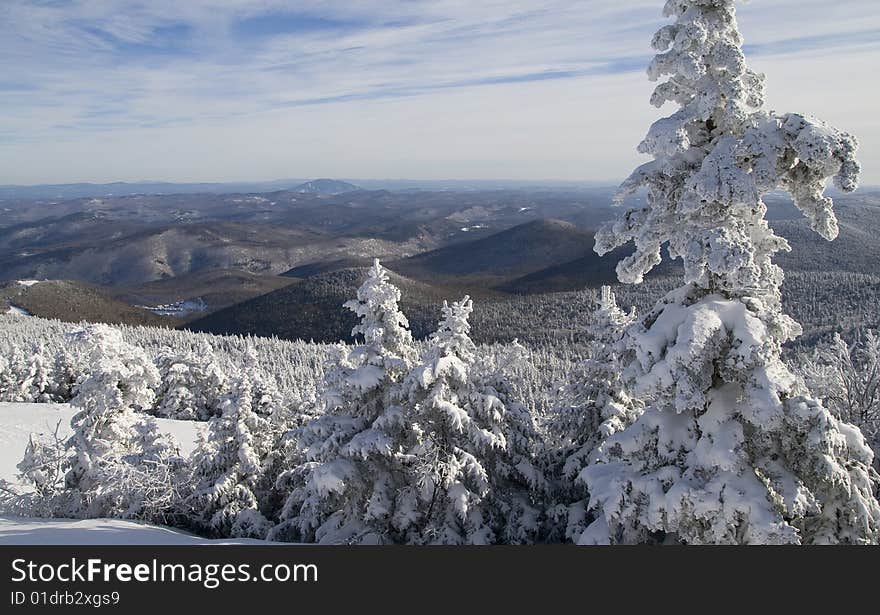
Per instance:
(348,469)
(731,449)
(228,466)
(473,479)
(596,407)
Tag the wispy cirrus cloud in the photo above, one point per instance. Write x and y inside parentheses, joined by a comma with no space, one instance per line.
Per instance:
(94,76)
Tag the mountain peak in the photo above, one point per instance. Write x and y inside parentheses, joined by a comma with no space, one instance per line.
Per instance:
(326,186)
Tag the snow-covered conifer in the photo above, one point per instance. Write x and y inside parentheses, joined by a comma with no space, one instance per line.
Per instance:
(192,384)
(37,384)
(343,482)
(473,479)
(7,379)
(268,401)
(731,449)
(12,376)
(596,407)
(227,467)
(67,374)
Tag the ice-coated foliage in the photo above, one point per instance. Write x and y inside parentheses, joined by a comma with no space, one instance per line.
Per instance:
(717,156)
(472,476)
(228,465)
(121,382)
(38,380)
(731,448)
(846,376)
(43,467)
(387,341)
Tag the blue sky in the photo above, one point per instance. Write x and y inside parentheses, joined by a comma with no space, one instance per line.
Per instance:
(98,90)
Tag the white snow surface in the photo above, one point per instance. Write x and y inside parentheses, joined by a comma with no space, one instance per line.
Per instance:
(28,531)
(28,282)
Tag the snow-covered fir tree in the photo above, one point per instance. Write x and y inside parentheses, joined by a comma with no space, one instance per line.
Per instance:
(193,384)
(732,448)
(473,477)
(38,379)
(596,407)
(267,400)
(8,379)
(12,371)
(343,481)
(228,466)
(67,373)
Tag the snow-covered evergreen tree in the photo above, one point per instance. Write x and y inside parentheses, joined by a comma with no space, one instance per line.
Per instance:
(473,479)
(596,407)
(193,384)
(267,401)
(228,466)
(37,384)
(731,448)
(67,373)
(12,376)
(7,379)
(343,482)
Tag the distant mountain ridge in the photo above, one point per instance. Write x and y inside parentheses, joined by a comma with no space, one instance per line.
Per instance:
(508,254)
(325,186)
(87,190)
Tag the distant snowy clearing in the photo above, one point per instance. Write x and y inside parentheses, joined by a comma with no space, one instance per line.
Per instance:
(18,311)
(17,423)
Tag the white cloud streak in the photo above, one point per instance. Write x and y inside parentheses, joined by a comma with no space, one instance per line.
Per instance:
(99,90)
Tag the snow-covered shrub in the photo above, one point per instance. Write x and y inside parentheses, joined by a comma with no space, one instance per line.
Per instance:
(347,467)
(731,448)
(43,467)
(110,433)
